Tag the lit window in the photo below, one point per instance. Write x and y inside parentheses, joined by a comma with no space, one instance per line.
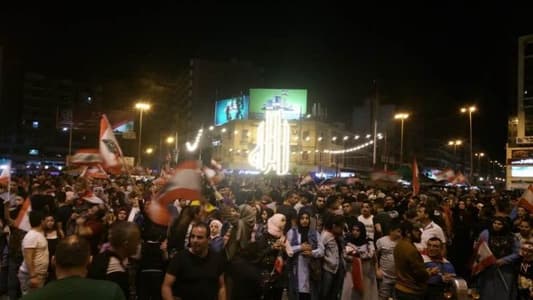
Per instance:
(35,124)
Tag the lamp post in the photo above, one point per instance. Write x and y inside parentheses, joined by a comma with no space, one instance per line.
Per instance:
(470,110)
(402,117)
(455,143)
(141,106)
(479,156)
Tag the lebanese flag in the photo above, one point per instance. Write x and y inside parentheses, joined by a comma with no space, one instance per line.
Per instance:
(416,179)
(526,201)
(5,173)
(86,157)
(157,213)
(109,147)
(357,274)
(445,175)
(483,257)
(94,172)
(185,184)
(23,219)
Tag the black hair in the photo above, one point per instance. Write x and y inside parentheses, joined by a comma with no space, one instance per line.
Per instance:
(407,228)
(433,239)
(72,252)
(36,218)
(202,225)
(336,220)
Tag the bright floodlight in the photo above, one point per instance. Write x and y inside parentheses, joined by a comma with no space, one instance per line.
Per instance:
(170,140)
(468,109)
(334,138)
(345,137)
(211,128)
(149,150)
(401,116)
(142,106)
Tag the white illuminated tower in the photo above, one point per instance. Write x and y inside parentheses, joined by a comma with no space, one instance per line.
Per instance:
(272,151)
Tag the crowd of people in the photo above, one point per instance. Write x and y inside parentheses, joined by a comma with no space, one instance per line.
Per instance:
(260,238)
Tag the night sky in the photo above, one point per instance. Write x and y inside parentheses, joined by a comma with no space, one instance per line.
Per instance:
(426,60)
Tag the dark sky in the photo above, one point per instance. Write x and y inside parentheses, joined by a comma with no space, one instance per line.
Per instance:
(427,60)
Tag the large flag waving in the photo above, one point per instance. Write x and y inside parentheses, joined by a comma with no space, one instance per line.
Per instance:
(109,148)
(5,171)
(185,184)
(416,179)
(526,201)
(86,157)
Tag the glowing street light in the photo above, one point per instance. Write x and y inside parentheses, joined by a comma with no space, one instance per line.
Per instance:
(169,140)
(455,143)
(402,117)
(470,110)
(141,106)
(149,151)
(479,155)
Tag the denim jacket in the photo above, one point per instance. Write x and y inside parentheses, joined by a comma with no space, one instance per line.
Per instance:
(332,260)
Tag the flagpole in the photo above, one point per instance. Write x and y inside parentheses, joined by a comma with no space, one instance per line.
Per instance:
(503,279)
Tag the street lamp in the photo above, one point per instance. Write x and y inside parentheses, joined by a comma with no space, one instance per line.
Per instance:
(479,156)
(141,106)
(170,140)
(149,151)
(455,143)
(470,110)
(402,117)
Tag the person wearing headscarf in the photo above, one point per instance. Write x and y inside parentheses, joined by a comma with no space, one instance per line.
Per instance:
(216,241)
(303,246)
(272,250)
(360,252)
(498,281)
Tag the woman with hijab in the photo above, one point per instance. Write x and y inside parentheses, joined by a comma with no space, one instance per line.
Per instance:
(302,246)
(360,280)
(498,281)
(272,251)
(216,242)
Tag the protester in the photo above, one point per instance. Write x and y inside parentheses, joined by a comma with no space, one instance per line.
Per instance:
(498,281)
(195,273)
(333,267)
(360,279)
(34,269)
(71,262)
(304,251)
(440,270)
(112,264)
(386,272)
(411,274)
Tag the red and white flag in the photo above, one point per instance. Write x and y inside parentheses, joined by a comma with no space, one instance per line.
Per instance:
(94,172)
(483,257)
(157,213)
(185,184)
(445,175)
(5,172)
(109,147)
(416,179)
(86,157)
(23,219)
(526,201)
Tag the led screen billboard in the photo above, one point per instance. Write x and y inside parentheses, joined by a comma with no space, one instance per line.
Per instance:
(227,110)
(292,102)
(522,171)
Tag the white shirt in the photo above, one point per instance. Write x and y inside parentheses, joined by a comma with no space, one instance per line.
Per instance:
(36,240)
(369,225)
(430,231)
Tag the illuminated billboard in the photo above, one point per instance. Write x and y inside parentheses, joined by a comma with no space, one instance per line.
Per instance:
(293,103)
(522,171)
(227,110)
